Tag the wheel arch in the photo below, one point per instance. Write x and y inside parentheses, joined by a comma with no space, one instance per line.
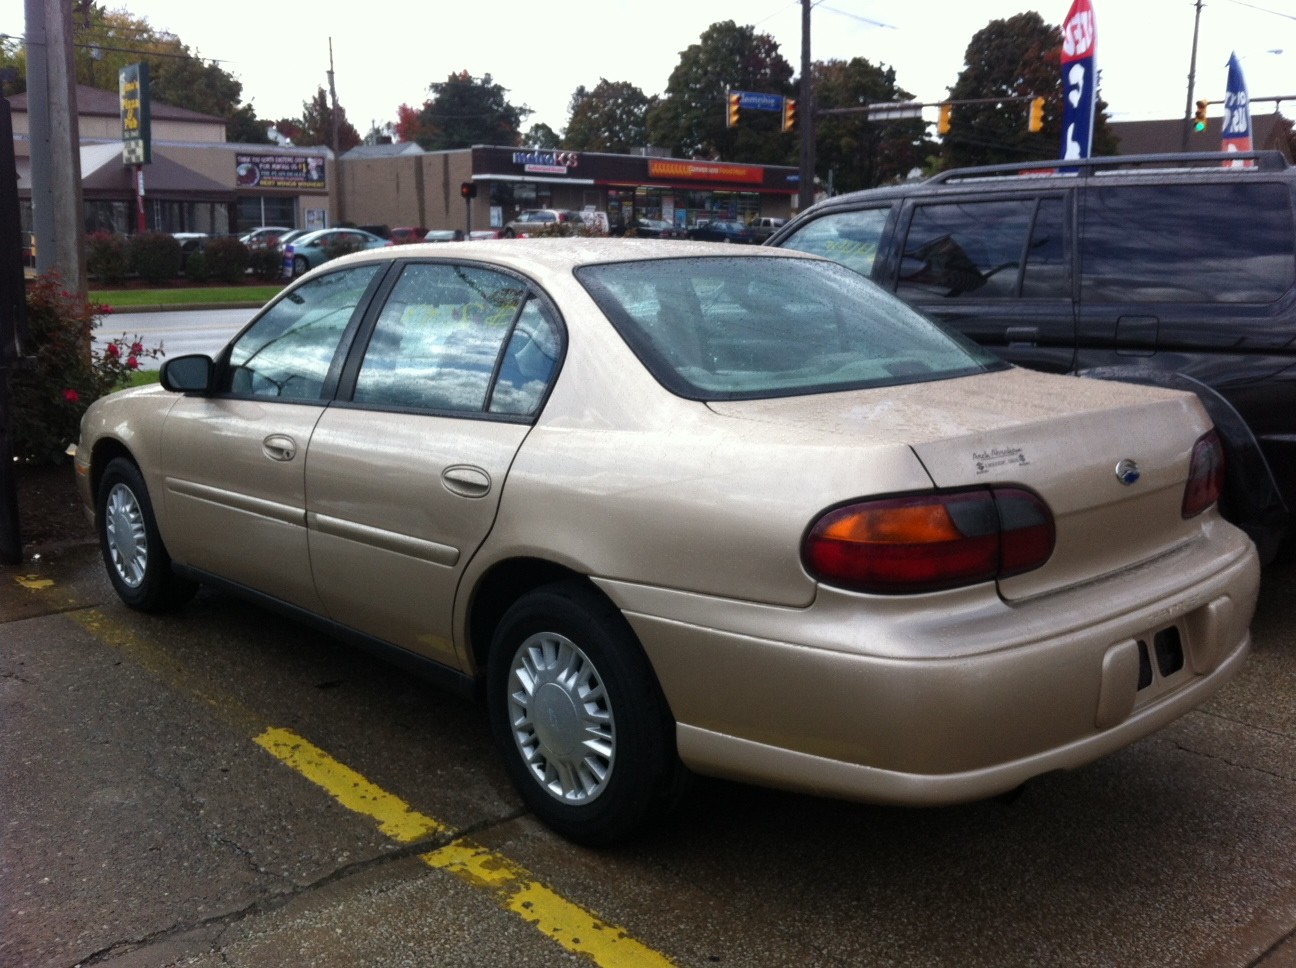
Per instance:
(498,588)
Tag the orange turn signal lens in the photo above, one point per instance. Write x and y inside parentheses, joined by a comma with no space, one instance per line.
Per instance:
(930,541)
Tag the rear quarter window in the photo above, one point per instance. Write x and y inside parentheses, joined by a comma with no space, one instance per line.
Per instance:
(1229,243)
(848,238)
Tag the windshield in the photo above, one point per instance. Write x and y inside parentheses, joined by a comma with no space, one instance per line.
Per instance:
(743,328)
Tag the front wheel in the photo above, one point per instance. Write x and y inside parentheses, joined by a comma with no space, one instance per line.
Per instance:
(577,714)
(137,561)
(300,265)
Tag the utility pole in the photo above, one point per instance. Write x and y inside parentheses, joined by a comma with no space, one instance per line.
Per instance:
(57,211)
(806,108)
(1192,79)
(333,136)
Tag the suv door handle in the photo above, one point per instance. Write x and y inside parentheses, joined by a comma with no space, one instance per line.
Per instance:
(1022,335)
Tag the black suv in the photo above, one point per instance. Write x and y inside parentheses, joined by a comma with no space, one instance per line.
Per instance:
(1176,270)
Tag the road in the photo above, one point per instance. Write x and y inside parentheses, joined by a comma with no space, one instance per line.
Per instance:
(191,331)
(221,787)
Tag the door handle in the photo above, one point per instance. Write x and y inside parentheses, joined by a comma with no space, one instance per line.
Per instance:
(466,480)
(279,447)
(1022,335)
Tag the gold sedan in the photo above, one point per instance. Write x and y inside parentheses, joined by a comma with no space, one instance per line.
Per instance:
(677,507)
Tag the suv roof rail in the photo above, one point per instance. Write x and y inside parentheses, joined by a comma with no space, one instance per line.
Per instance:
(1267,160)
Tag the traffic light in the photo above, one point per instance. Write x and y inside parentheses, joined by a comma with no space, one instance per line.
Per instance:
(1199,122)
(468,189)
(789,114)
(735,110)
(1036,121)
(943,122)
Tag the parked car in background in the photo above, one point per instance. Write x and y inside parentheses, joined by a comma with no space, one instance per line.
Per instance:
(190,242)
(265,235)
(1175,270)
(315,248)
(763,226)
(406,234)
(480,235)
(535,220)
(667,506)
(721,230)
(292,235)
(654,228)
(444,235)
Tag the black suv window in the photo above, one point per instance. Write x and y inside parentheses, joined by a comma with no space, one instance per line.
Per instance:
(970,248)
(850,238)
(1229,243)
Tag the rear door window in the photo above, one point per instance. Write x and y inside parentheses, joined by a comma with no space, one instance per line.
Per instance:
(1002,248)
(1230,243)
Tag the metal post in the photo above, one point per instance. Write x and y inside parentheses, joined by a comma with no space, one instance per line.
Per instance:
(1192,79)
(805,195)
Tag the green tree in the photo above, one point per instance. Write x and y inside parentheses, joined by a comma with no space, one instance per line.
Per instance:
(612,118)
(108,40)
(690,118)
(315,126)
(541,136)
(1017,57)
(466,111)
(858,152)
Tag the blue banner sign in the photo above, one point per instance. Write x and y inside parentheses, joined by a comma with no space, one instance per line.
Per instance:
(1079,79)
(1237,113)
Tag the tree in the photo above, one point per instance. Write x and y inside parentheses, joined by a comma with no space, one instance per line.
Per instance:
(541,136)
(1017,57)
(862,153)
(466,111)
(108,40)
(612,118)
(690,119)
(245,127)
(316,125)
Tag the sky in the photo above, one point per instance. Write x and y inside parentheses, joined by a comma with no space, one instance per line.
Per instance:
(387,52)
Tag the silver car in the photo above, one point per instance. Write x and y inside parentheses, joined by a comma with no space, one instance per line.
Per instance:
(674,508)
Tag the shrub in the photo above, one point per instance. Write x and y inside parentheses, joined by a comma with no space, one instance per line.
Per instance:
(49,397)
(195,267)
(227,259)
(106,257)
(154,256)
(266,261)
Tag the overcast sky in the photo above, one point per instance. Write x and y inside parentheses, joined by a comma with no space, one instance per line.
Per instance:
(387,52)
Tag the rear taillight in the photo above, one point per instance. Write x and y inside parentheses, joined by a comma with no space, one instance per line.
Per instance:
(930,541)
(1205,475)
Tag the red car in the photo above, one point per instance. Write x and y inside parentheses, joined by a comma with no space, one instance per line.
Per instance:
(407,234)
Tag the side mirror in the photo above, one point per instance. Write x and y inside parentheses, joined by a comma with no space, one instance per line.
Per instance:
(188,374)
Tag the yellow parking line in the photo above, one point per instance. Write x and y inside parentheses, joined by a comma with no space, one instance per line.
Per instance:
(515,888)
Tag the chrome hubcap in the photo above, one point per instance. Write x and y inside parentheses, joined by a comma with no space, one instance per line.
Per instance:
(561,718)
(125,536)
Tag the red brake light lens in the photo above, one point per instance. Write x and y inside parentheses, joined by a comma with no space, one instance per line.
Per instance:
(930,541)
(1205,475)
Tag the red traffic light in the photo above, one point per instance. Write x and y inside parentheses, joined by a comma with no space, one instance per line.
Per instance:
(468,189)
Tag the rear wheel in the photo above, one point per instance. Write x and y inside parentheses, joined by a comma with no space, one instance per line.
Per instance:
(578,716)
(137,561)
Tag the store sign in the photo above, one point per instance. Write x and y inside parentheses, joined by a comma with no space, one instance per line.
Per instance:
(137,135)
(705,171)
(279,171)
(546,162)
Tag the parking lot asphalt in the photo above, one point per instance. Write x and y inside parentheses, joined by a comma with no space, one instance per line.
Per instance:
(222,787)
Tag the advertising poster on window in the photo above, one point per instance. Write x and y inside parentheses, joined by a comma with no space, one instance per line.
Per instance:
(1079,79)
(1237,114)
(279,171)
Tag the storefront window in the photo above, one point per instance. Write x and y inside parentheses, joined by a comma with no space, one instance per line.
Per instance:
(264,210)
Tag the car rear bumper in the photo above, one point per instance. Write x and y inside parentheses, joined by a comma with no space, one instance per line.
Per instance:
(881,700)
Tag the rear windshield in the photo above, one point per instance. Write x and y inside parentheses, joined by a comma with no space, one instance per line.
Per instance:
(743,328)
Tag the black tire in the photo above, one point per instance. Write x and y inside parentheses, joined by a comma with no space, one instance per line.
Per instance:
(510,234)
(137,560)
(300,266)
(599,770)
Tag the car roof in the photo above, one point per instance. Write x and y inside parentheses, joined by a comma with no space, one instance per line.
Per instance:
(564,254)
